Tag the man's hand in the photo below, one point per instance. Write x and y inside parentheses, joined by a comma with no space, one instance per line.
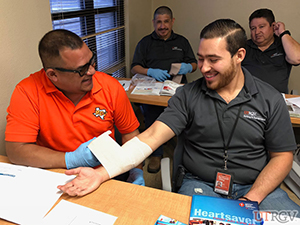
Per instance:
(87,180)
(279,27)
(136,177)
(185,68)
(82,156)
(158,74)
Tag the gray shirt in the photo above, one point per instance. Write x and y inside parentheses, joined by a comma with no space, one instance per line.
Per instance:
(264,125)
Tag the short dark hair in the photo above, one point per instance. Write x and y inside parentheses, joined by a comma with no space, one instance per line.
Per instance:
(265,13)
(233,33)
(56,40)
(163,10)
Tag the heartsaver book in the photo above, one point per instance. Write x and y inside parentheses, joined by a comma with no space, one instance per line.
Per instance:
(220,211)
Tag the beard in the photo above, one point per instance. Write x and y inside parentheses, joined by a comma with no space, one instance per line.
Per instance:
(225,78)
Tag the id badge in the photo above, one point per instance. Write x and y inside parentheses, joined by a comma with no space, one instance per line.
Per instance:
(223,182)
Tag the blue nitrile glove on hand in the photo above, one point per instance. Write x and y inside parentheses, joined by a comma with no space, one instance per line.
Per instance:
(136,177)
(158,74)
(185,68)
(82,156)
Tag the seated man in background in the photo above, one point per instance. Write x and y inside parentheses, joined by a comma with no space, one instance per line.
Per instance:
(64,105)
(230,123)
(271,51)
(153,56)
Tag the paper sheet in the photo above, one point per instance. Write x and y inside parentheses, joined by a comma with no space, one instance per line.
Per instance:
(67,213)
(295,101)
(125,84)
(27,193)
(152,89)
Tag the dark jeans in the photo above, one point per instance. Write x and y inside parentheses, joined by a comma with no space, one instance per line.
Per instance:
(276,200)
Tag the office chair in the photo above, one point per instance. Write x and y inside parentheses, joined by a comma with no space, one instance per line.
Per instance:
(170,180)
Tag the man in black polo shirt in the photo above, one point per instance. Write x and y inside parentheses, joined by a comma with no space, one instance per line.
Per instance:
(153,56)
(232,128)
(271,51)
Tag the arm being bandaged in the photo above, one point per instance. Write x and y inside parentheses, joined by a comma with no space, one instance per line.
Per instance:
(116,159)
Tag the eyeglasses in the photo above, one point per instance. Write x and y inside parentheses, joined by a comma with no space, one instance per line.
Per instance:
(83,69)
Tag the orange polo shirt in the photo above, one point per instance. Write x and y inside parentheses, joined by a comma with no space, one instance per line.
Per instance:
(39,112)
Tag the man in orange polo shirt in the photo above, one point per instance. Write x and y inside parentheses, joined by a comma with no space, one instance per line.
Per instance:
(65,105)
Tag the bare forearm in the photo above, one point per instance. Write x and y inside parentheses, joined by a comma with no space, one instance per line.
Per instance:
(139,69)
(194,65)
(271,176)
(157,134)
(30,154)
(127,137)
(291,48)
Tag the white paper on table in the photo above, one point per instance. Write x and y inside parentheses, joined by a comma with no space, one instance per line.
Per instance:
(27,193)
(125,84)
(152,89)
(67,213)
(295,101)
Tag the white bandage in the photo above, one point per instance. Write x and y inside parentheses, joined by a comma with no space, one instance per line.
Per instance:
(116,159)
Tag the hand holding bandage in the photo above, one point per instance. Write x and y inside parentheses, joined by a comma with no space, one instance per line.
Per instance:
(116,159)
(185,68)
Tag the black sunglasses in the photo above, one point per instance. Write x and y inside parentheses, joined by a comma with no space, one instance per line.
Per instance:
(83,70)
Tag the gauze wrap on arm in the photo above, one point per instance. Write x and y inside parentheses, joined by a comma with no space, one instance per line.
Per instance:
(116,159)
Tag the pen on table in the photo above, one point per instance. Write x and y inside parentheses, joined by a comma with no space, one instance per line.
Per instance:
(7,174)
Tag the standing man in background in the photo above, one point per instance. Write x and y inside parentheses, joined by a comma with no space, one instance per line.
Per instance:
(153,56)
(271,52)
(62,107)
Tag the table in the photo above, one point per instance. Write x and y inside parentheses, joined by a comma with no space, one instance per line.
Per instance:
(132,204)
(146,99)
(295,121)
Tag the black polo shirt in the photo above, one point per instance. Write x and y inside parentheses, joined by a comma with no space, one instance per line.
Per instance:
(156,53)
(264,125)
(269,65)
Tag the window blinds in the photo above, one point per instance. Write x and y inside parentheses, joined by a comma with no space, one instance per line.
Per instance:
(100,23)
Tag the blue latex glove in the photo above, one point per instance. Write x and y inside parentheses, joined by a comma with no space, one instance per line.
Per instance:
(136,177)
(82,156)
(185,68)
(158,74)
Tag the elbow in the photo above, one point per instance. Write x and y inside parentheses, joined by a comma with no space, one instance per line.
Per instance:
(294,61)
(12,152)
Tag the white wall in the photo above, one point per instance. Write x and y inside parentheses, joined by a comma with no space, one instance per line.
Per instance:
(22,24)
(192,15)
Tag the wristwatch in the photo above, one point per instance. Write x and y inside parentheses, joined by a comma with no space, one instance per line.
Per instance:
(284,32)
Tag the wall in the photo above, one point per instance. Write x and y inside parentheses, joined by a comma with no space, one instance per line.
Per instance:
(22,24)
(192,15)
(138,16)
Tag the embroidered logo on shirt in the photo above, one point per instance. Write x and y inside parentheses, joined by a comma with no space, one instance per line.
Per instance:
(276,54)
(100,113)
(252,115)
(176,49)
